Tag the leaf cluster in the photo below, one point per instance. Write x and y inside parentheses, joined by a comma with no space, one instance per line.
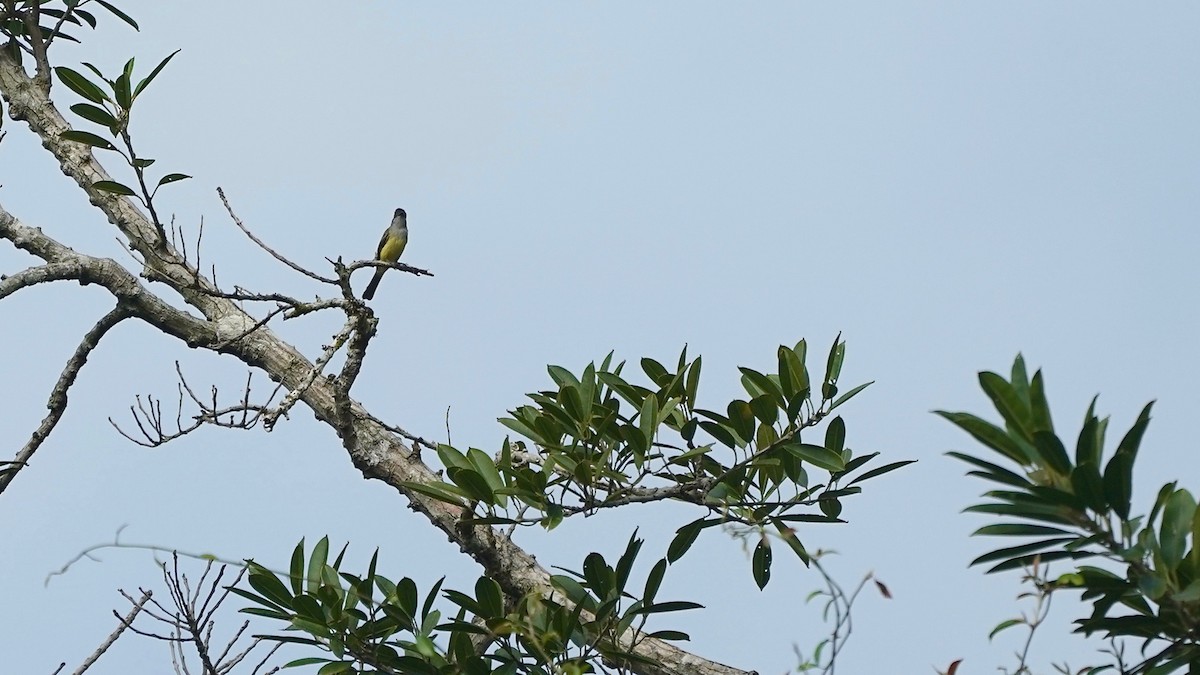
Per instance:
(110,107)
(603,439)
(369,624)
(1075,506)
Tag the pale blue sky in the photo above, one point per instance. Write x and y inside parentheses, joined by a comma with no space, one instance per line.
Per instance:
(945,183)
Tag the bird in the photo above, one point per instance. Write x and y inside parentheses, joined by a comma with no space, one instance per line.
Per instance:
(391,246)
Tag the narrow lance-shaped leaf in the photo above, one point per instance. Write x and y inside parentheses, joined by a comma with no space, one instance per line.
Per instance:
(80,85)
(118,13)
(88,138)
(114,188)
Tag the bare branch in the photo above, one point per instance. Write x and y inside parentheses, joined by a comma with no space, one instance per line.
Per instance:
(58,396)
(261,244)
(125,622)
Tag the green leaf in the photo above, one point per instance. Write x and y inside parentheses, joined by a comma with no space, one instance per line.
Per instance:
(655,371)
(1086,481)
(1118,483)
(789,536)
(672,606)
(1178,517)
(1039,407)
(764,384)
(118,13)
(123,91)
(88,138)
(266,583)
(648,417)
(765,409)
(1133,438)
(80,85)
(817,455)
(443,492)
(1052,452)
(1019,529)
(306,661)
(625,562)
(172,178)
(1088,446)
(793,377)
(992,471)
(1003,625)
(296,569)
(849,395)
(153,74)
(692,384)
(1015,412)
(989,434)
(316,564)
(669,635)
(114,188)
(1023,549)
(486,468)
(835,435)
(95,114)
(683,540)
(472,483)
(741,418)
(654,580)
(761,563)
(880,470)
(490,598)
(833,363)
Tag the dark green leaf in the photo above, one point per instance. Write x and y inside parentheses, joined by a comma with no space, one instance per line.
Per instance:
(880,470)
(1133,438)
(683,540)
(761,563)
(296,569)
(1052,452)
(490,598)
(669,635)
(1176,526)
(1020,529)
(1118,483)
(654,580)
(672,606)
(993,471)
(835,435)
(80,85)
(1039,407)
(95,114)
(1023,549)
(1015,411)
(817,455)
(118,13)
(113,187)
(849,395)
(989,434)
(172,178)
(316,565)
(88,139)
(655,371)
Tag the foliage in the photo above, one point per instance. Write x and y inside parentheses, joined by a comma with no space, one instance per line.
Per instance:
(601,441)
(370,624)
(1146,583)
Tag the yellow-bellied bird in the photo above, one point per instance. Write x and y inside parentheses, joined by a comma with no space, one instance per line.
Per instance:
(390,247)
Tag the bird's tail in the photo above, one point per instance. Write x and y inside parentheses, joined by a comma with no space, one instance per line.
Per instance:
(370,292)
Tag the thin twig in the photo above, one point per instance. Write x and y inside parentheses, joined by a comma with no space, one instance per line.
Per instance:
(261,244)
(125,622)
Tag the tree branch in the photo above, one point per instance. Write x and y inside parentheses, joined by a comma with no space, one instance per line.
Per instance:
(58,396)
